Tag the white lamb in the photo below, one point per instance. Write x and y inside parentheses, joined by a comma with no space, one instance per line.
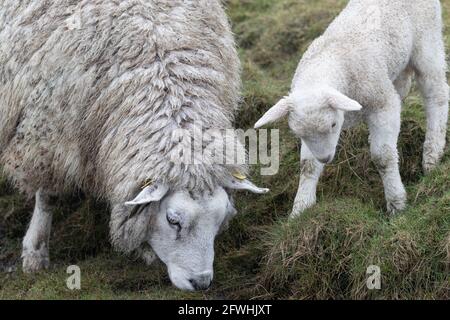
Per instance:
(91,94)
(365,62)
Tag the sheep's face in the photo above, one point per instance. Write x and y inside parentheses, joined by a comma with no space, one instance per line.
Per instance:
(183,232)
(316,117)
(182,227)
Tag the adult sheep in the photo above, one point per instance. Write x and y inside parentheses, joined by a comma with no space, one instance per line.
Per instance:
(365,62)
(91,93)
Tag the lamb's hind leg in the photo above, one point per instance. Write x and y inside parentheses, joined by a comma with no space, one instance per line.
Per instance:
(310,172)
(430,64)
(384,126)
(35,253)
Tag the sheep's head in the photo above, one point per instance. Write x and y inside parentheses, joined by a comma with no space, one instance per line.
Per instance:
(315,116)
(182,227)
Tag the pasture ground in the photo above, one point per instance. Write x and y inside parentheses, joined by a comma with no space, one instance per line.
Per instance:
(323,254)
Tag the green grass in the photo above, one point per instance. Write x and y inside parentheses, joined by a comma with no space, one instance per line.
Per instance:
(322,254)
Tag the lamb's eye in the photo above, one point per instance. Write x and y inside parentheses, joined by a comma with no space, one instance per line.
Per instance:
(334,125)
(174,219)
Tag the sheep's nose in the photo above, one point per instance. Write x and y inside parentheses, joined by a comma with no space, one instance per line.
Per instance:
(202,281)
(326,160)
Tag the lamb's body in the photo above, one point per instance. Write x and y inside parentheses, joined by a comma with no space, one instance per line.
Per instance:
(91,92)
(373,44)
(370,54)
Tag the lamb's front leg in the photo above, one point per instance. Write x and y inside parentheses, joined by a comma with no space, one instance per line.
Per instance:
(35,253)
(384,126)
(310,172)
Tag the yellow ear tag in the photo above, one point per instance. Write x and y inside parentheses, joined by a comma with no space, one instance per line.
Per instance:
(239,176)
(147,183)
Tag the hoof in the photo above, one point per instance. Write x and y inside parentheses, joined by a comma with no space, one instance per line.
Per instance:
(301,207)
(429,167)
(396,207)
(295,214)
(431,160)
(35,261)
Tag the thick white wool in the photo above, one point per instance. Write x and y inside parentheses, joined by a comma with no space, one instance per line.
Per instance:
(91,91)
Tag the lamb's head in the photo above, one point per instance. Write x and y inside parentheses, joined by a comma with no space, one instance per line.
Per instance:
(316,116)
(183,225)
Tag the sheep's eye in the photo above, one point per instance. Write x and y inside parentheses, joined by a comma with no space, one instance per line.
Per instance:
(334,125)
(174,219)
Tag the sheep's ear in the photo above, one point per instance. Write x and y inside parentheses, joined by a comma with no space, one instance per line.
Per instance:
(245,185)
(342,102)
(148,195)
(277,112)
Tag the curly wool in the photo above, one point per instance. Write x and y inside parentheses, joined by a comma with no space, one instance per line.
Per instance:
(92,90)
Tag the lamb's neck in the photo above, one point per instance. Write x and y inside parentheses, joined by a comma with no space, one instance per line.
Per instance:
(319,75)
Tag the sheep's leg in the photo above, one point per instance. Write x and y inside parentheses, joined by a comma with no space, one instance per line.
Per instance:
(384,126)
(310,172)
(431,69)
(35,253)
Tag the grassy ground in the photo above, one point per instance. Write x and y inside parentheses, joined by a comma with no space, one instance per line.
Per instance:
(323,254)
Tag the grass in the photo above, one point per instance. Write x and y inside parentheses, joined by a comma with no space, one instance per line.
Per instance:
(322,254)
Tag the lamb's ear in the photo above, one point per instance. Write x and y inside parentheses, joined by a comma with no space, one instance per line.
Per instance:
(340,101)
(277,112)
(153,193)
(246,185)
